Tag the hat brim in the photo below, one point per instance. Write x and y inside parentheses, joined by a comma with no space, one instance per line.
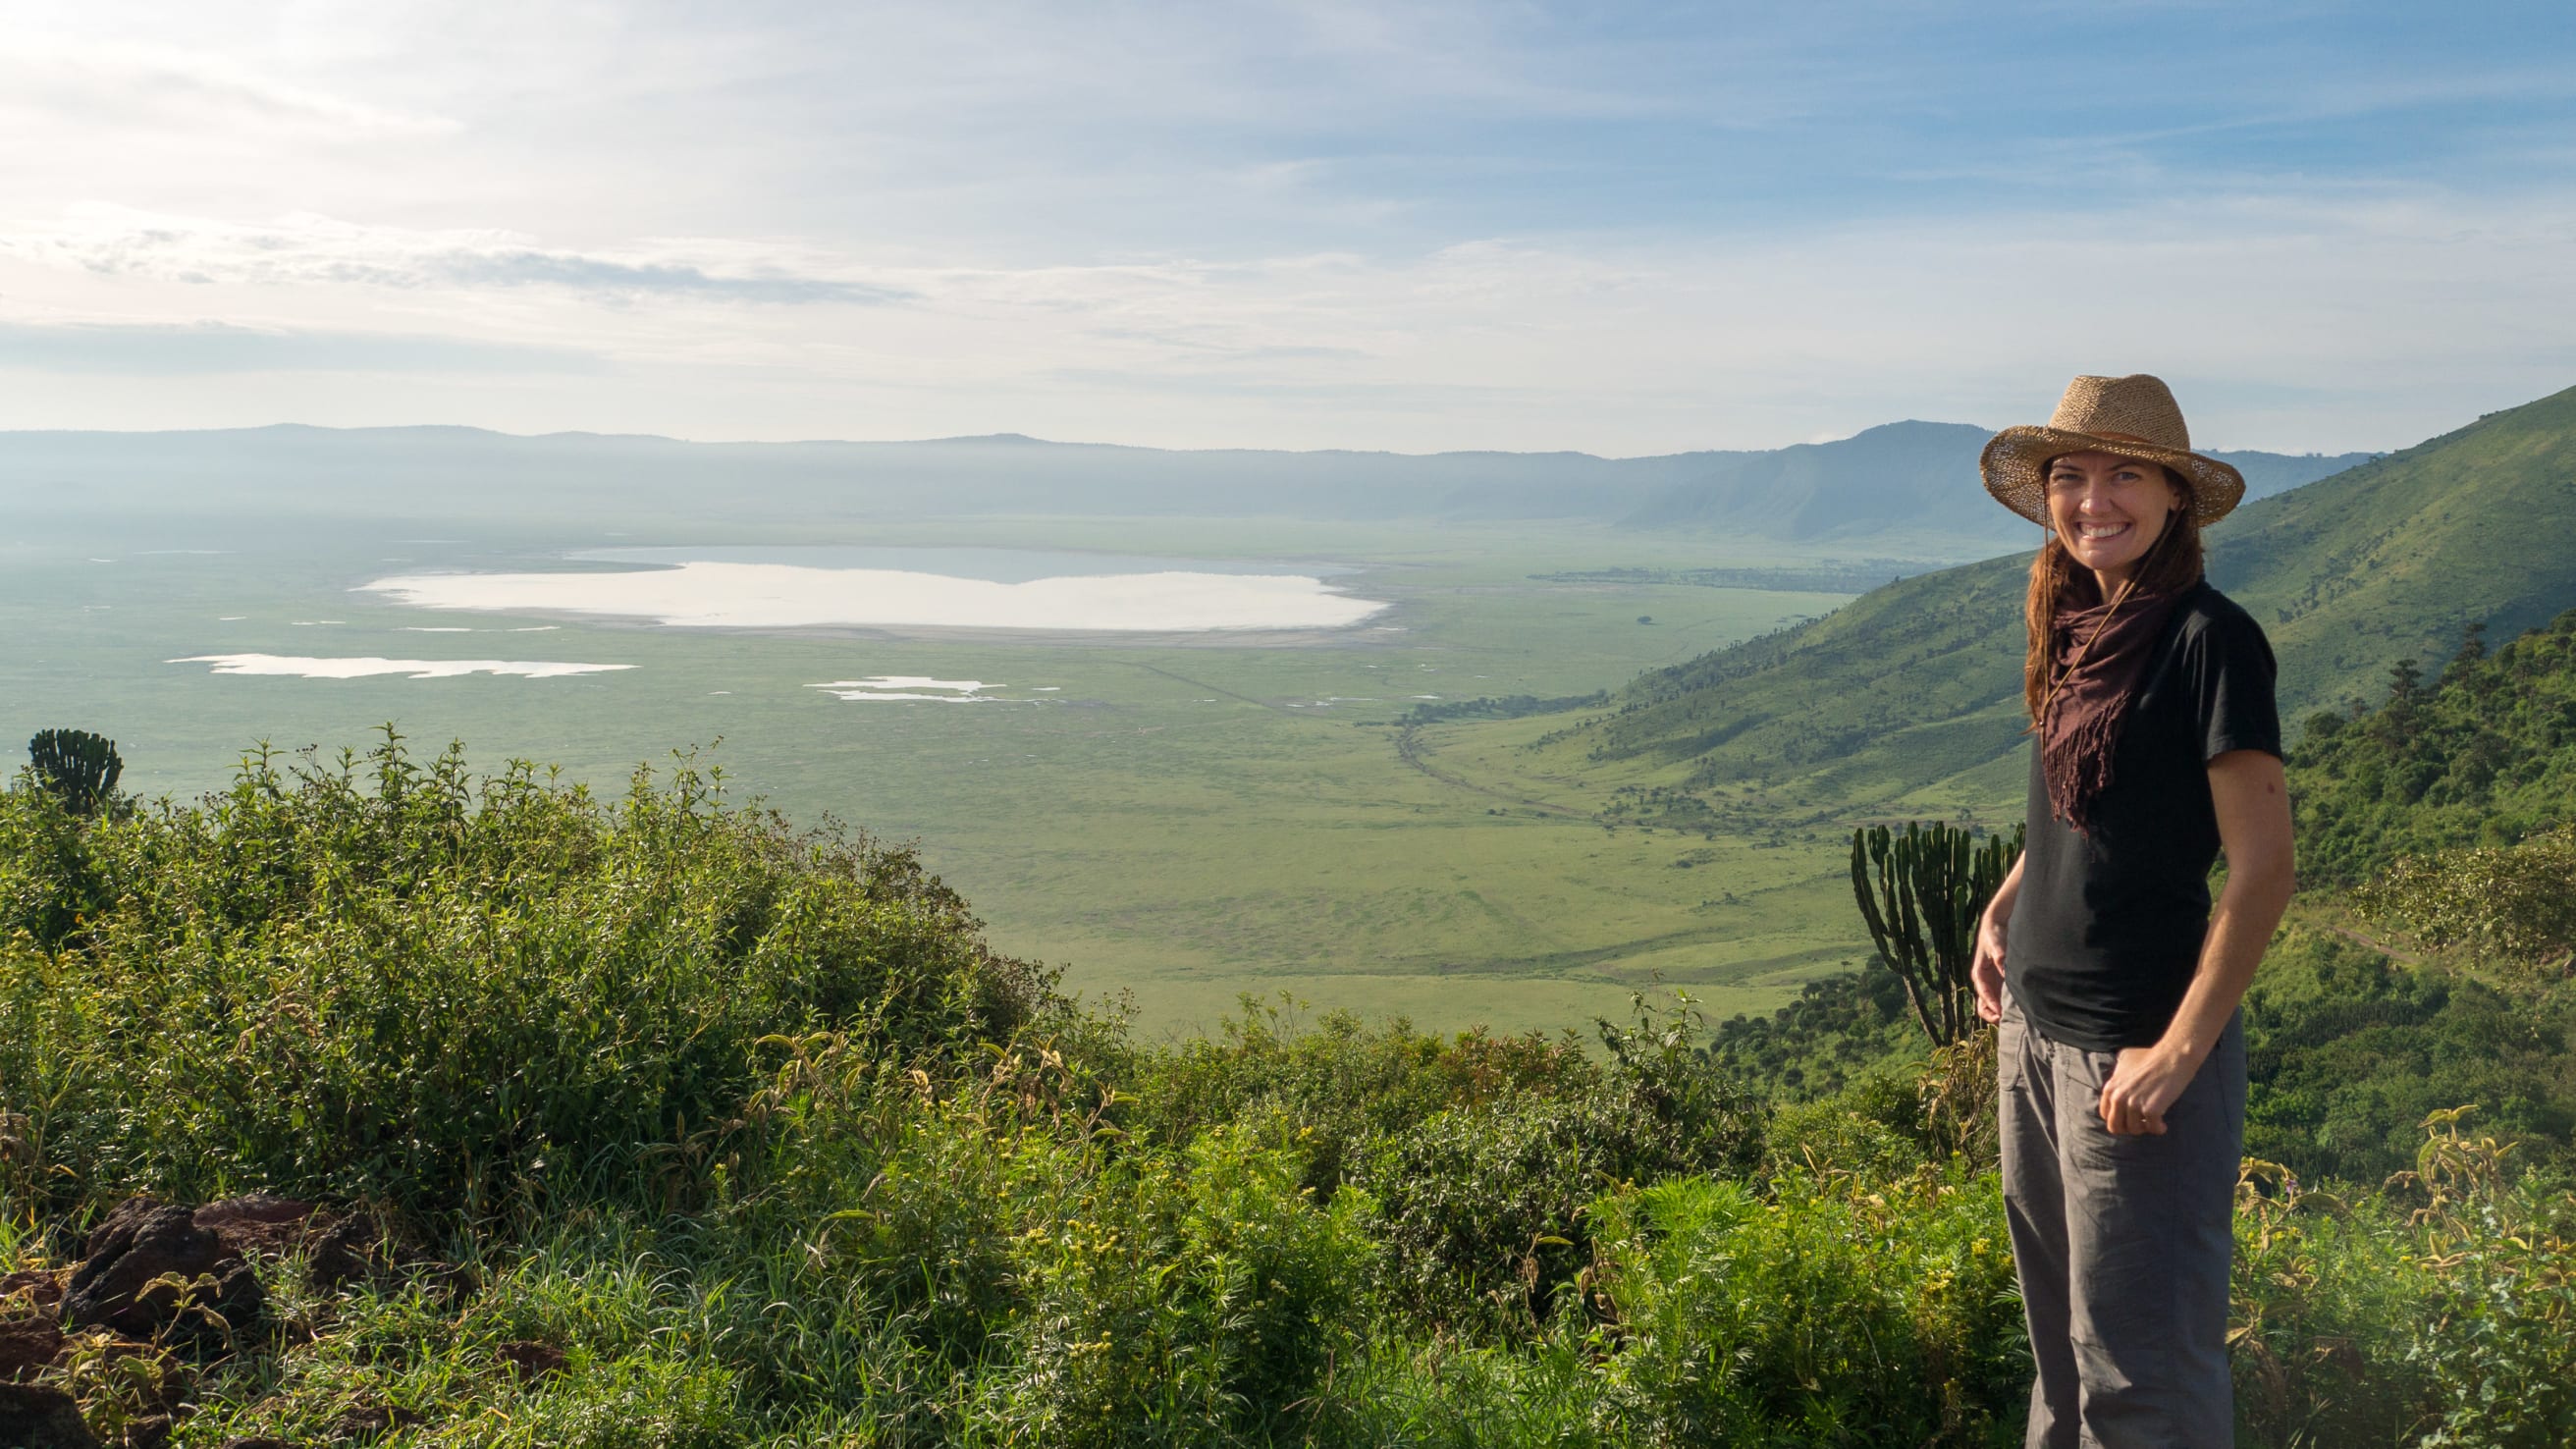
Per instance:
(2015,468)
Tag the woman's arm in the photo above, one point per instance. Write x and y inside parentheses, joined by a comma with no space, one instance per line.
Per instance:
(2253,807)
(1986,973)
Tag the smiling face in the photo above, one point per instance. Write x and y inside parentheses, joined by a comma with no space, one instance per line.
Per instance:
(2109,510)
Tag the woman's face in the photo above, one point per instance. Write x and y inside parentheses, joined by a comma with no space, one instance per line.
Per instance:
(2109,510)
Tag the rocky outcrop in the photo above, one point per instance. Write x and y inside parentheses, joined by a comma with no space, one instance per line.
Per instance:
(155,1278)
(27,1346)
(41,1418)
(126,1283)
(36,1288)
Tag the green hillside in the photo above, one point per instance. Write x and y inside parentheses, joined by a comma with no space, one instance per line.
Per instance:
(2485,755)
(1918,682)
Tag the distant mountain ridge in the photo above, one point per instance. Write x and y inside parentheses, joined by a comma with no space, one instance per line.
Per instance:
(1919,681)
(1912,477)
(1905,475)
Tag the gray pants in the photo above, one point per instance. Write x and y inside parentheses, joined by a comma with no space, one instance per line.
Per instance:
(2123,1246)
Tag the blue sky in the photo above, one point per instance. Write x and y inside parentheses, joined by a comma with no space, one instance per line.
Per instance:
(1620,228)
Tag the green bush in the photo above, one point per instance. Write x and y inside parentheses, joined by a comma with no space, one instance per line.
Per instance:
(2515,903)
(2480,757)
(2348,1052)
(398,981)
(1832,1312)
(2324,1302)
(1481,1206)
(1347,1083)
(2501,1346)
(1180,1296)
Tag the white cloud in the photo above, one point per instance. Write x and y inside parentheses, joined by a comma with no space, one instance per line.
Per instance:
(1412,224)
(123,86)
(310,250)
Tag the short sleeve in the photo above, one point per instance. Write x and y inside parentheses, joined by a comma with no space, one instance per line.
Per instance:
(2232,674)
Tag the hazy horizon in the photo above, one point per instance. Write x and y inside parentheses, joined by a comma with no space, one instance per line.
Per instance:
(1420,228)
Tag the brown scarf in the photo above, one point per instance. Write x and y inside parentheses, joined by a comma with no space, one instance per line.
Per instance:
(2097,655)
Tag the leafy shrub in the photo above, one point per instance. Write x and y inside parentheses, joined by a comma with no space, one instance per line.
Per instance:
(2479,757)
(1833,1313)
(1838,1028)
(401,981)
(1346,1083)
(2516,902)
(1180,1294)
(1481,1205)
(2502,1346)
(2323,1306)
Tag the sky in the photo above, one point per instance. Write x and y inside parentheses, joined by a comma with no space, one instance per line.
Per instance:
(1392,224)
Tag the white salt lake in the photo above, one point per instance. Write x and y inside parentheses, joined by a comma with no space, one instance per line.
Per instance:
(953,588)
(307,667)
(909,686)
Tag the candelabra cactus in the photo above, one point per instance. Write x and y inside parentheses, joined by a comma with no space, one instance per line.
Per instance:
(1921,892)
(76,767)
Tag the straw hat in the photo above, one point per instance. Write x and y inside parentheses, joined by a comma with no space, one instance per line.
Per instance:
(2133,417)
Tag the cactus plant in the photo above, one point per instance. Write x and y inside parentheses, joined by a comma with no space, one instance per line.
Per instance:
(1921,893)
(76,767)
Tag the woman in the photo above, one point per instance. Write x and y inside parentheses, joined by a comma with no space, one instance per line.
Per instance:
(2122,1072)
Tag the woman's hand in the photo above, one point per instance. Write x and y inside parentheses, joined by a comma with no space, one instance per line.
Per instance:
(1986,968)
(1986,972)
(2144,1083)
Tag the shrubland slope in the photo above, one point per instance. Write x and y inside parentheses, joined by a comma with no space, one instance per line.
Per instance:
(1919,681)
(2484,755)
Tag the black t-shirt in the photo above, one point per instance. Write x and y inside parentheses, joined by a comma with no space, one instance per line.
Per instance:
(2106,933)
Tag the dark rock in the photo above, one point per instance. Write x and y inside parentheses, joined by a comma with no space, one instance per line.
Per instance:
(373,1421)
(260,1223)
(150,1433)
(119,1222)
(531,1360)
(26,1345)
(115,1286)
(37,1287)
(42,1418)
(344,1253)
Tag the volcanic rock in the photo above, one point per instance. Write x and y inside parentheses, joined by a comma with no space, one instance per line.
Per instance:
(260,1223)
(116,1287)
(532,1360)
(344,1252)
(42,1418)
(40,1288)
(373,1420)
(27,1345)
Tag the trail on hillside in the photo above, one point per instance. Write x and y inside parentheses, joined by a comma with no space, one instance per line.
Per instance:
(1408,748)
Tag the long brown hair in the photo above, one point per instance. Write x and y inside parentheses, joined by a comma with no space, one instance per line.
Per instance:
(2174,561)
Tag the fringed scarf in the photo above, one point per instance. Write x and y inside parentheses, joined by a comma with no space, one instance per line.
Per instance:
(2098,654)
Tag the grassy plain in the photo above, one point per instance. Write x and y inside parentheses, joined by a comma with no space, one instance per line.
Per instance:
(1184,818)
